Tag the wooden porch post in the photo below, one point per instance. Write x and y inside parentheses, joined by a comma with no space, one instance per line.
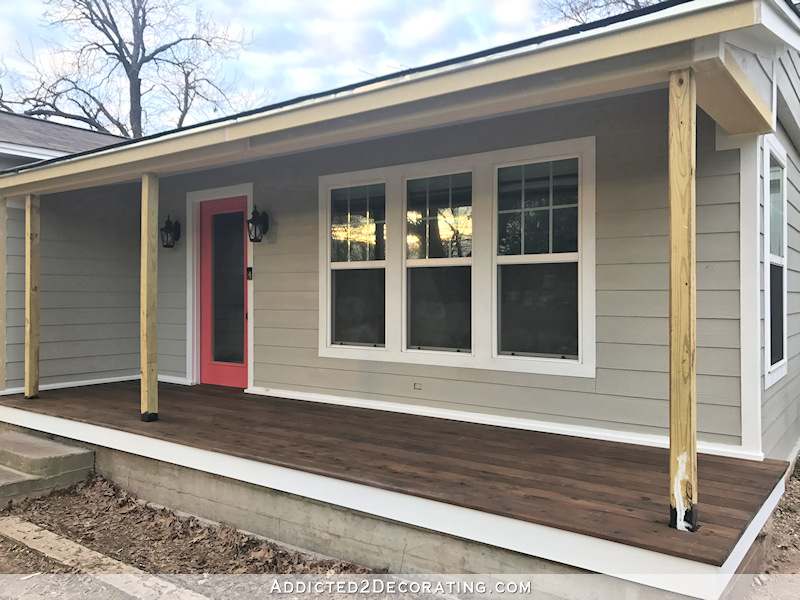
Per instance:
(31,296)
(682,301)
(147,301)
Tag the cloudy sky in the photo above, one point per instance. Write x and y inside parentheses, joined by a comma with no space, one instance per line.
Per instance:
(304,46)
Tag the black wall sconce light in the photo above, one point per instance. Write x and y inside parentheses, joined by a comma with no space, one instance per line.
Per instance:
(170,233)
(257,225)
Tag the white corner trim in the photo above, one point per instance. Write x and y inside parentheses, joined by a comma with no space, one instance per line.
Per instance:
(192,233)
(749,285)
(71,384)
(646,567)
(595,433)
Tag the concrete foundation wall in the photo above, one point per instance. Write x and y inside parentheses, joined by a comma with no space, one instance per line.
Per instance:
(320,527)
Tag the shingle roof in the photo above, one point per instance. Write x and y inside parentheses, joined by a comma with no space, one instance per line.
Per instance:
(27,131)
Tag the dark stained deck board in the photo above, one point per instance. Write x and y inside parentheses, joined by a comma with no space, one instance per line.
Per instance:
(608,490)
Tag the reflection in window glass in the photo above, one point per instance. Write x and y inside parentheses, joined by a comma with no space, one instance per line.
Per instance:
(539,309)
(358,303)
(538,208)
(358,223)
(440,308)
(439,217)
(775,207)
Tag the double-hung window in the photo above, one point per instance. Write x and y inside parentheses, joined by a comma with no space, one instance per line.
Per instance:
(438,262)
(537,259)
(358,265)
(775,250)
(481,261)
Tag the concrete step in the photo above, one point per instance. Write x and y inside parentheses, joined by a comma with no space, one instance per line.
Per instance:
(32,466)
(42,457)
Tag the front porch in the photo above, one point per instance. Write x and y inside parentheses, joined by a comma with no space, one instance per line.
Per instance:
(598,490)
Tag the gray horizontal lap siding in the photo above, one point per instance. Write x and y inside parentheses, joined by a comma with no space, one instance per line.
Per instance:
(631,389)
(89,287)
(780,403)
(172,289)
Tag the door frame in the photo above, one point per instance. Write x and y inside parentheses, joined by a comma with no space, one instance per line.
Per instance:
(193,201)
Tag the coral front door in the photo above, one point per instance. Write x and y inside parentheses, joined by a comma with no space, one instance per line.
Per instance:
(223,292)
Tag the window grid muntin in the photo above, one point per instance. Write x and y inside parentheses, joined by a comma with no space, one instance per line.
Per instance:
(427,217)
(375,191)
(524,210)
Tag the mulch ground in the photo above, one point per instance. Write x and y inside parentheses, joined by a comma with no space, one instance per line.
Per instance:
(107,519)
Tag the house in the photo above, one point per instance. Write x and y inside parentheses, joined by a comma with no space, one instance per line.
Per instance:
(530,310)
(26,139)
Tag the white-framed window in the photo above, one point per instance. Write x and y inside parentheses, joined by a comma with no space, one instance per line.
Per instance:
(438,276)
(358,264)
(488,262)
(775,253)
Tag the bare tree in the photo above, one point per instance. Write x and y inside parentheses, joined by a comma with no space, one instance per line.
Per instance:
(128,67)
(586,11)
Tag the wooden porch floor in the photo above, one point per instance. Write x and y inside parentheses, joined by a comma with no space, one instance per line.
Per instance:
(607,490)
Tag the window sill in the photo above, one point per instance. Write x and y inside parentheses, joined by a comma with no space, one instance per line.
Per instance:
(517,364)
(775,374)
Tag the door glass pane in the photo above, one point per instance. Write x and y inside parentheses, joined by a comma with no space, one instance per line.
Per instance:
(228,287)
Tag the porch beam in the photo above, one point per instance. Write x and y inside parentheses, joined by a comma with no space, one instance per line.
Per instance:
(148,334)
(31,296)
(682,301)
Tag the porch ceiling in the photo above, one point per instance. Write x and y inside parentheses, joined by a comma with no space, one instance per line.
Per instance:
(605,490)
(609,60)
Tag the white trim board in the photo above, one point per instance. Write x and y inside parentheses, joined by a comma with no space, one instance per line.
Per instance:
(73,384)
(595,433)
(193,200)
(85,382)
(646,567)
(749,284)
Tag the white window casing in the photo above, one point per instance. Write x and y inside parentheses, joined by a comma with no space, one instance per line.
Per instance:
(483,261)
(775,163)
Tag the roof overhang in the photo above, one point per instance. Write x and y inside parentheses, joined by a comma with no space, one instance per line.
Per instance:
(628,55)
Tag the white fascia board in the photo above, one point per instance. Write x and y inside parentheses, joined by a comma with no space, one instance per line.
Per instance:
(646,567)
(781,21)
(29,151)
(687,8)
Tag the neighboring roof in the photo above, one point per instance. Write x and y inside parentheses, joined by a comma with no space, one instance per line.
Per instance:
(22,130)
